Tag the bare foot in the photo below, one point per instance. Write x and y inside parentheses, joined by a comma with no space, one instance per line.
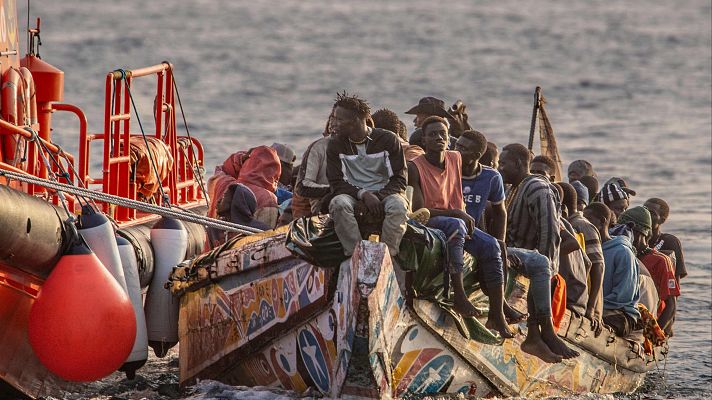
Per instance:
(513,316)
(498,323)
(558,346)
(536,347)
(465,308)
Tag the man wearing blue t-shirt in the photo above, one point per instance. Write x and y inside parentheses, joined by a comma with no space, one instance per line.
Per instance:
(481,184)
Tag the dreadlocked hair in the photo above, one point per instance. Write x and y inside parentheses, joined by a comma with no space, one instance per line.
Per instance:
(387,119)
(354,104)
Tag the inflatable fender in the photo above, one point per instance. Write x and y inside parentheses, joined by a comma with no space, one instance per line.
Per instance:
(169,239)
(97,231)
(139,353)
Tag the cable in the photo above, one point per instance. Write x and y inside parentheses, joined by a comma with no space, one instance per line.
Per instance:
(164,198)
(187,131)
(141,206)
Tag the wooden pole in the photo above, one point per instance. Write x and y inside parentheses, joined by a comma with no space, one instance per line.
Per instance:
(535,111)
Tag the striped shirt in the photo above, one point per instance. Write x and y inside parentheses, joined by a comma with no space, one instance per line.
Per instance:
(533,219)
(591,236)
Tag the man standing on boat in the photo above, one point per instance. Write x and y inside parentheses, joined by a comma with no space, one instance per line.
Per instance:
(365,165)
(533,236)
(436,178)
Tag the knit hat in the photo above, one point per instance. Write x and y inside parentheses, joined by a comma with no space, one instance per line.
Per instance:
(640,217)
(612,192)
(621,183)
(285,153)
(581,191)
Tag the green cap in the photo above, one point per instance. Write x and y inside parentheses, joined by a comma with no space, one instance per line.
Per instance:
(640,217)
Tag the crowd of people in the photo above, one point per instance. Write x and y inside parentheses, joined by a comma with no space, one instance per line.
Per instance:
(580,246)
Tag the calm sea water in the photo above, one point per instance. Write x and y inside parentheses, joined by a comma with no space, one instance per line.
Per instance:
(628,86)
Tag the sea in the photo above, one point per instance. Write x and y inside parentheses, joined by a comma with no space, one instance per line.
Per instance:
(628,86)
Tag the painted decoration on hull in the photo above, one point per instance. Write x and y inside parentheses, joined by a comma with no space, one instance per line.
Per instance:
(516,373)
(217,320)
(315,354)
(405,357)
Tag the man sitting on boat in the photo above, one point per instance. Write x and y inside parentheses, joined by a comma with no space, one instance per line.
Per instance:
(592,247)
(258,169)
(669,245)
(481,186)
(286,161)
(621,279)
(312,182)
(436,178)
(616,195)
(580,168)
(426,107)
(574,266)
(533,236)
(388,120)
(365,165)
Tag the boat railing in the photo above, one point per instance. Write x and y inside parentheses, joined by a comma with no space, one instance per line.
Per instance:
(35,163)
(180,186)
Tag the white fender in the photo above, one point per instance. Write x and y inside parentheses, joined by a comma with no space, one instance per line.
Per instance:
(139,353)
(169,240)
(98,233)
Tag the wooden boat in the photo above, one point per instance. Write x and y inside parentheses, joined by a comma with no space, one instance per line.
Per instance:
(267,318)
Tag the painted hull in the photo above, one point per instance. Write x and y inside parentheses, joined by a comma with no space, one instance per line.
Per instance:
(507,371)
(269,319)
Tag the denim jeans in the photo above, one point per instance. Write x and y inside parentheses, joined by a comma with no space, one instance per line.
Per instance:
(538,270)
(486,251)
(455,231)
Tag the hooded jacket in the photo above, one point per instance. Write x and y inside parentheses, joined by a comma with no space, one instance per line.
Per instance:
(621,279)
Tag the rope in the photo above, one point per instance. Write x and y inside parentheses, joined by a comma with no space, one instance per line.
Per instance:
(164,197)
(134,204)
(63,172)
(62,199)
(196,173)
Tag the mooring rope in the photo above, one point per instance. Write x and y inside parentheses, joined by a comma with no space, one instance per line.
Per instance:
(134,204)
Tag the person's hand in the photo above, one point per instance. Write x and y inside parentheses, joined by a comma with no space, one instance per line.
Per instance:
(469,221)
(373,204)
(596,323)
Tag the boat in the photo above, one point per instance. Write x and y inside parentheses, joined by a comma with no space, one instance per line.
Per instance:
(255,311)
(256,314)
(35,217)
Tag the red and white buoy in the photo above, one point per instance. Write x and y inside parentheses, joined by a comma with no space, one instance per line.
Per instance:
(82,325)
